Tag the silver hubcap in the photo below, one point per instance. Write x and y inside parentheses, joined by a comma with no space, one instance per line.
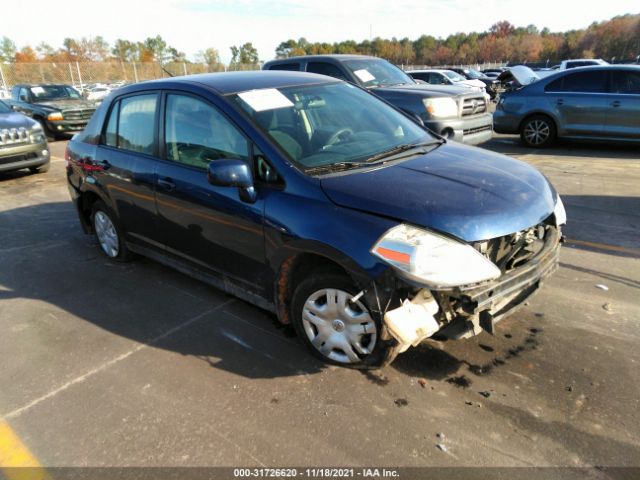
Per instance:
(106,233)
(338,328)
(537,132)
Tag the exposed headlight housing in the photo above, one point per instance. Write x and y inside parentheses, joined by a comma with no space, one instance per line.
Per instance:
(433,259)
(559,212)
(441,107)
(55,116)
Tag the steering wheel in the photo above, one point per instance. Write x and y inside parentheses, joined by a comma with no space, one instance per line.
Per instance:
(340,136)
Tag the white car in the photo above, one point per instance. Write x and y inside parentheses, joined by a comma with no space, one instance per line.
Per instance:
(448,77)
(98,93)
(581,62)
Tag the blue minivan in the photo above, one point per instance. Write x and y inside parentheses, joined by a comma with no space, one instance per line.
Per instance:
(314,199)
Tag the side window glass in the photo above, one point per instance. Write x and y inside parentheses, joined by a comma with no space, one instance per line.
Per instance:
(136,125)
(23,96)
(555,86)
(111,133)
(293,67)
(196,133)
(324,68)
(626,82)
(592,82)
(264,172)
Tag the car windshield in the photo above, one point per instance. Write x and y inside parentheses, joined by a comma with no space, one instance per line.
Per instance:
(54,92)
(332,125)
(4,108)
(456,77)
(377,73)
(474,73)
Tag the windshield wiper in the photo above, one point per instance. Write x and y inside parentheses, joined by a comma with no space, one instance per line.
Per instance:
(401,149)
(334,167)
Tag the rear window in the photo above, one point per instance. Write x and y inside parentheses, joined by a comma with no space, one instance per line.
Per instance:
(324,68)
(293,67)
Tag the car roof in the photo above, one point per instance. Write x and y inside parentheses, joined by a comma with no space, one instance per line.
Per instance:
(336,56)
(429,70)
(233,82)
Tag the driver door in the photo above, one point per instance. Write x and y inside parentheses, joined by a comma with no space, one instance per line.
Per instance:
(208,226)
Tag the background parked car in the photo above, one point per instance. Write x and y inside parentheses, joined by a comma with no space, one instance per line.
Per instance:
(448,77)
(98,93)
(588,102)
(22,142)
(456,114)
(59,108)
(581,62)
(471,74)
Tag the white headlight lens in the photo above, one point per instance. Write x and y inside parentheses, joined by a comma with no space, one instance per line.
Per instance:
(441,107)
(559,212)
(433,259)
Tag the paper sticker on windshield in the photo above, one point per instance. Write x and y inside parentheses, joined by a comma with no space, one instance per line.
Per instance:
(37,90)
(364,75)
(266,99)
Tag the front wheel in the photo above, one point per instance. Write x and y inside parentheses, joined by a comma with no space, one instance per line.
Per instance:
(336,329)
(538,131)
(108,233)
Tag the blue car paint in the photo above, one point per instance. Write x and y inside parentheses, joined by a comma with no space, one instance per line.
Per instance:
(465,192)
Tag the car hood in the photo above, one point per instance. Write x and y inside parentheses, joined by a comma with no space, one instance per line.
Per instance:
(15,120)
(467,192)
(65,104)
(426,90)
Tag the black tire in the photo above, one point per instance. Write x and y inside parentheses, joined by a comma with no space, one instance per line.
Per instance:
(538,131)
(47,133)
(385,349)
(122,254)
(41,169)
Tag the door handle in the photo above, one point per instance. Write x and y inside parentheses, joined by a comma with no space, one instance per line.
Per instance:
(560,102)
(166,184)
(615,103)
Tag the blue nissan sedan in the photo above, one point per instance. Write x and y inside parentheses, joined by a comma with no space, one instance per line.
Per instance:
(312,198)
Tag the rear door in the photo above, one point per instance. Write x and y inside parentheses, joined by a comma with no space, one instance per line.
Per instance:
(580,102)
(208,226)
(623,115)
(127,162)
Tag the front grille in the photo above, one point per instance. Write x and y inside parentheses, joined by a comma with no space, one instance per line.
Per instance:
(514,250)
(17,158)
(81,115)
(13,136)
(473,106)
(471,131)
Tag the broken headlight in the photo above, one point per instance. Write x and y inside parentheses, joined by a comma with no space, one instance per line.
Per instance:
(559,212)
(433,259)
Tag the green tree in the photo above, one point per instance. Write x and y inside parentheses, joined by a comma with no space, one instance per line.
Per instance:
(210,56)
(7,50)
(246,54)
(124,50)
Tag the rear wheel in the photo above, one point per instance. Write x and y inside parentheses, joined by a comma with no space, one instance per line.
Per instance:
(538,131)
(108,233)
(336,329)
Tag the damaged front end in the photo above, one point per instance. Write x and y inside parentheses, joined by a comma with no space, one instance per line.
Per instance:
(524,259)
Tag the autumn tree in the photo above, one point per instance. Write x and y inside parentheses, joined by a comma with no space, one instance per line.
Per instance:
(26,55)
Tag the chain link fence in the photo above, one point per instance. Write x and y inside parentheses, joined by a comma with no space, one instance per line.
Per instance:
(82,74)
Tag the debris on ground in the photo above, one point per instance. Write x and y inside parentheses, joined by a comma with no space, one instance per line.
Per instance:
(569,388)
(401,402)
(442,447)
(607,306)
(507,335)
(539,315)
(467,402)
(440,435)
(485,394)
(422,382)
(461,382)
(602,287)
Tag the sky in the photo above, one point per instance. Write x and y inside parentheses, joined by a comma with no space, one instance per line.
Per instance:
(193,25)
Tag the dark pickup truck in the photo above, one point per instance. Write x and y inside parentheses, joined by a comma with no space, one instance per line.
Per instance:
(60,109)
(452,112)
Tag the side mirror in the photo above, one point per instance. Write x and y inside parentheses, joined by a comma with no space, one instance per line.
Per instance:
(23,98)
(233,172)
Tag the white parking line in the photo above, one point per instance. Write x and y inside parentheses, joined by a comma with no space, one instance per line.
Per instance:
(111,362)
